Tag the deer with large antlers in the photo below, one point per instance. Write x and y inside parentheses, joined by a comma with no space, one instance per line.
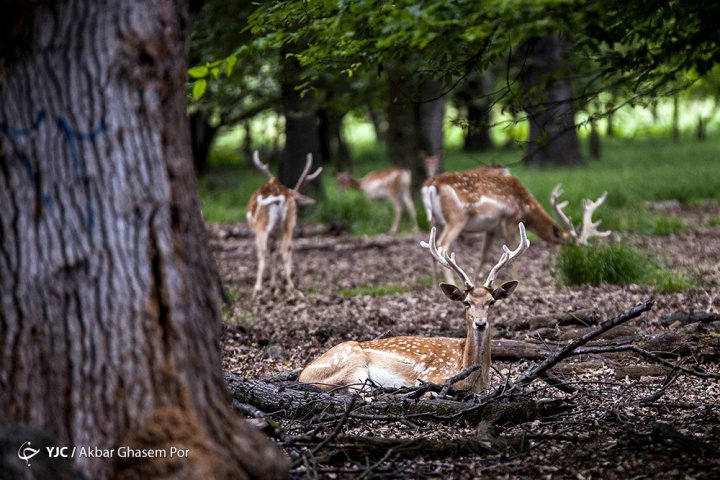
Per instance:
(272,213)
(589,228)
(490,200)
(403,361)
(392,184)
(484,200)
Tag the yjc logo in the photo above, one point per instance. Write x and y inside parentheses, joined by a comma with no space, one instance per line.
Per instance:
(26,453)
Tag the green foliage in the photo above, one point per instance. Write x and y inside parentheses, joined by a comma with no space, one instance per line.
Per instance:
(617,264)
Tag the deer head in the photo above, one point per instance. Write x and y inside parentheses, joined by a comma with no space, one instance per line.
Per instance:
(478,301)
(346,180)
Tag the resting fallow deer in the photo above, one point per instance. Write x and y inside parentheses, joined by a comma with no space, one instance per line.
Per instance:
(402,361)
(272,213)
(392,184)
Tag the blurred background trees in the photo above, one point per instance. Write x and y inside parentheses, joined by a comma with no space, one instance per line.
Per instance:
(536,76)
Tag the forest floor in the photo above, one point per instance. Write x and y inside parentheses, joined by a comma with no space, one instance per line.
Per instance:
(629,416)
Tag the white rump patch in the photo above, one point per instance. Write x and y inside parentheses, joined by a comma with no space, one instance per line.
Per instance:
(277,209)
(431,202)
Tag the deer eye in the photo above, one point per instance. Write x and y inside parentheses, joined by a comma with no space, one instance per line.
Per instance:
(466,303)
(491,303)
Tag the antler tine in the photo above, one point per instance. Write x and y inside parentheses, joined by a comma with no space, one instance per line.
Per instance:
(558,207)
(589,228)
(308,166)
(446,261)
(314,175)
(508,256)
(261,166)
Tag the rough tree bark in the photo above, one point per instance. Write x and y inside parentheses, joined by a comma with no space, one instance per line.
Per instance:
(546,85)
(109,315)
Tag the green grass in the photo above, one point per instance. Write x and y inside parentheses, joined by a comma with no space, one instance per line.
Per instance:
(713,222)
(644,222)
(632,171)
(617,264)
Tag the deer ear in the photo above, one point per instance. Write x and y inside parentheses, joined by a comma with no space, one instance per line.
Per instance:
(505,290)
(452,292)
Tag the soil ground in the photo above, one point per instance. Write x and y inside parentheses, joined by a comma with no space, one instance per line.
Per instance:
(613,431)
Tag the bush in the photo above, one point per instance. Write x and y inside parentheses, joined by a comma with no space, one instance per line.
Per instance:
(618,263)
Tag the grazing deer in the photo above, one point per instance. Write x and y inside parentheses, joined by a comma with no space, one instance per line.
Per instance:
(272,213)
(391,183)
(487,200)
(402,361)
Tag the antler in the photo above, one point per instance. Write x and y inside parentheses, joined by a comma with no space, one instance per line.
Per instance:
(589,228)
(304,177)
(441,255)
(554,196)
(263,167)
(508,257)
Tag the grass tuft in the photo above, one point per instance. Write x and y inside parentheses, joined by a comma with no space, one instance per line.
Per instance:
(617,264)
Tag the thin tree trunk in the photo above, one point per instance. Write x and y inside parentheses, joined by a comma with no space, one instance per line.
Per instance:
(553,137)
(676,118)
(594,141)
(109,321)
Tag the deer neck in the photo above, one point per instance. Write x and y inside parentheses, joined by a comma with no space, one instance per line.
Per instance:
(354,183)
(538,221)
(477,352)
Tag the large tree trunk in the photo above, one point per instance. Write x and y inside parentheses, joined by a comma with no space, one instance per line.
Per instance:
(301,126)
(548,103)
(109,321)
(416,112)
(333,147)
(402,142)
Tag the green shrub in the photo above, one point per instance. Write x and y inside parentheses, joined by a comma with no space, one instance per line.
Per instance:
(618,264)
(666,281)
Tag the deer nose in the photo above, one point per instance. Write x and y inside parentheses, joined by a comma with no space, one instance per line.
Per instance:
(480,324)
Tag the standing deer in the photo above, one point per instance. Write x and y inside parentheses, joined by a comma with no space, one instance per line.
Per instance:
(272,213)
(392,184)
(402,361)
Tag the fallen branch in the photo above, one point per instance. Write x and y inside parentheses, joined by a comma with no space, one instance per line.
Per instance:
(295,400)
(555,358)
